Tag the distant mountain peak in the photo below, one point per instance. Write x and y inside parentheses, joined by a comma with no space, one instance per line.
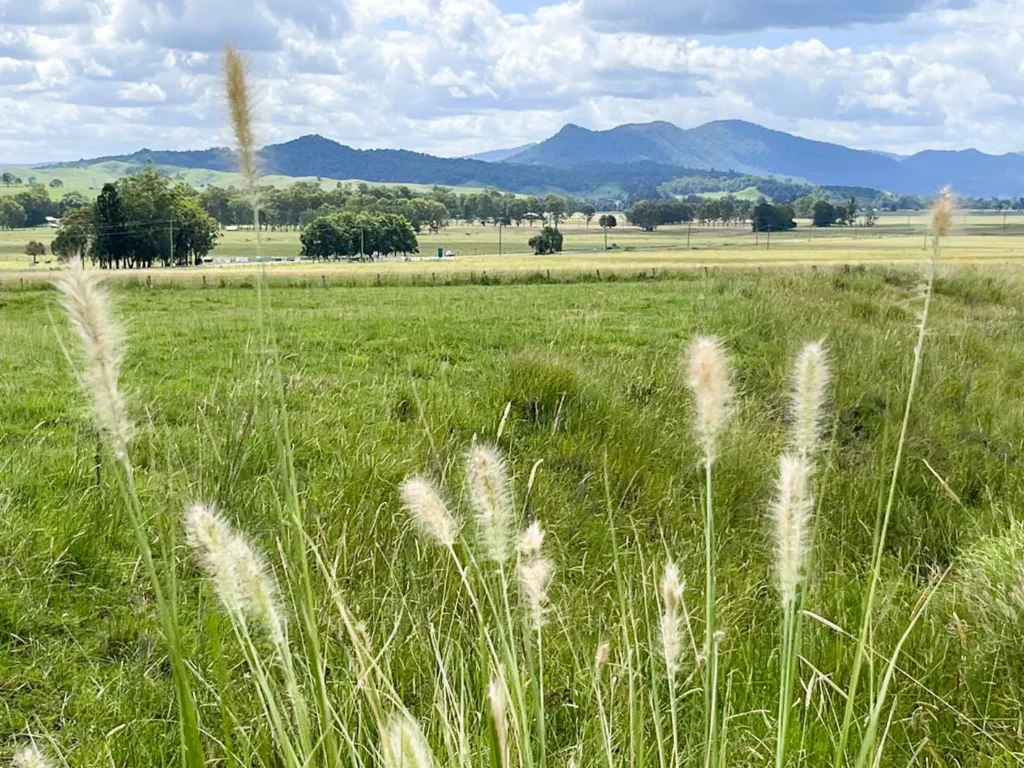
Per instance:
(570,128)
(746,147)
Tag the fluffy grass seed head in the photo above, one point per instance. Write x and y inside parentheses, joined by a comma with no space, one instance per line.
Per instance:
(604,650)
(239,98)
(30,756)
(942,213)
(497,697)
(671,620)
(811,375)
(87,307)
(239,575)
(709,379)
(532,540)
(791,510)
(487,479)
(406,746)
(426,508)
(535,577)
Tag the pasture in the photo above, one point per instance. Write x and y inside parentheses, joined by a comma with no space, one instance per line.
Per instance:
(975,237)
(579,385)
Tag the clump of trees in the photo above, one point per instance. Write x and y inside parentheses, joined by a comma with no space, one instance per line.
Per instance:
(766,217)
(723,210)
(827,214)
(650,214)
(549,240)
(349,235)
(139,221)
(31,206)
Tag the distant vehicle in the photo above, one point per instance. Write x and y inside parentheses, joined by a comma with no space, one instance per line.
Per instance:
(231,228)
(52,222)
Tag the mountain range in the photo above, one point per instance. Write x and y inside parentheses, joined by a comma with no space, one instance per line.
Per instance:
(736,145)
(582,161)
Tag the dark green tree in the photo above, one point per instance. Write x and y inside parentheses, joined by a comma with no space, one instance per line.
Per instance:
(607,222)
(74,235)
(555,208)
(194,232)
(548,240)
(645,214)
(215,201)
(12,215)
(588,212)
(109,222)
(70,202)
(322,239)
(36,203)
(823,214)
(772,218)
(35,249)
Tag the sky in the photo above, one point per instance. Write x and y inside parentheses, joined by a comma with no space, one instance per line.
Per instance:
(84,78)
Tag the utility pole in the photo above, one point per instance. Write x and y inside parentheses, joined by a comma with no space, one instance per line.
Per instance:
(689,226)
(361,254)
(605,237)
(500,226)
(768,247)
(170,235)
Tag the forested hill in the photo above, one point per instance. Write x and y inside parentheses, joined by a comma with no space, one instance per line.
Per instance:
(737,145)
(318,156)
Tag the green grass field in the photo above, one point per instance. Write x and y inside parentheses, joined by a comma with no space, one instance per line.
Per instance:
(975,237)
(384,381)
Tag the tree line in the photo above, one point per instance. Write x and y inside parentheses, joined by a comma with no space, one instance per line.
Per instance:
(31,206)
(139,221)
(297,205)
(348,234)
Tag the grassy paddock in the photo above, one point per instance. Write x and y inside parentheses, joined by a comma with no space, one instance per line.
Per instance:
(976,235)
(381,383)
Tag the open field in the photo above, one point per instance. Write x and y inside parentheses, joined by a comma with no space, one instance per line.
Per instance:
(975,237)
(382,382)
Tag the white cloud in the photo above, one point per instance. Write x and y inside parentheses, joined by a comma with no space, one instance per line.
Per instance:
(457,76)
(142,93)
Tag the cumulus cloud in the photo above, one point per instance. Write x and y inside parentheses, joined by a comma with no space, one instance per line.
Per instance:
(458,76)
(142,93)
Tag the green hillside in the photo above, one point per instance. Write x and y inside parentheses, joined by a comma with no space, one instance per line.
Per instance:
(88,180)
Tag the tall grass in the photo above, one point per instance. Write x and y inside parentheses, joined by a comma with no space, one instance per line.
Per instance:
(99,362)
(288,611)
